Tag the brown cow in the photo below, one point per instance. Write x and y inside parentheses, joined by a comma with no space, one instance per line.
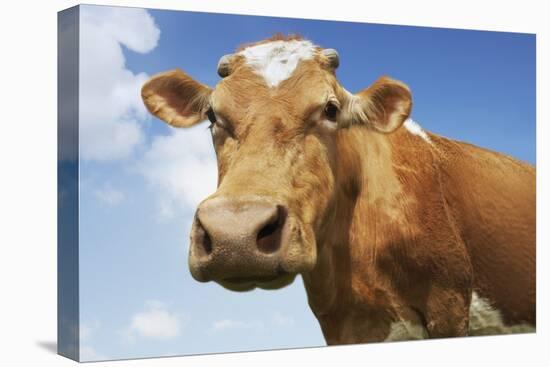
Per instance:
(398,233)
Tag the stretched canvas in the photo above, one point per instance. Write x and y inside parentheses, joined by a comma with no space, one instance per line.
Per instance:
(238,183)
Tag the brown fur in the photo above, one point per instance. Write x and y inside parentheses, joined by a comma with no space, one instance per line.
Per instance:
(388,227)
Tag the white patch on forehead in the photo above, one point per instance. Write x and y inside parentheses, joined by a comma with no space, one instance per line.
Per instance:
(486,320)
(415,129)
(275,61)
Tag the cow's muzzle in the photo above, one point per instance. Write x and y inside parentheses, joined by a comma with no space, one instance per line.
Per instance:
(242,243)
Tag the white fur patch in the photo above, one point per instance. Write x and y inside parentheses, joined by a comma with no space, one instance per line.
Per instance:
(275,61)
(415,129)
(485,320)
(406,330)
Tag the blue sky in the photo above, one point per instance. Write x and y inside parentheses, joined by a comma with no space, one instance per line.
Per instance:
(141,180)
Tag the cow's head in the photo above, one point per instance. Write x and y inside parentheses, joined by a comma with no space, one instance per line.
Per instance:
(275,117)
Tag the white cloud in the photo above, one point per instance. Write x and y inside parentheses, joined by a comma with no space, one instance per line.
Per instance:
(281,320)
(87,329)
(165,209)
(182,167)
(86,351)
(228,324)
(109,195)
(110,104)
(277,319)
(155,322)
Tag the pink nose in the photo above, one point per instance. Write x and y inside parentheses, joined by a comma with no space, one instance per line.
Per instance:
(236,238)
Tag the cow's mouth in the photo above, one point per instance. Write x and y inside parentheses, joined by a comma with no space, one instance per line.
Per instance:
(242,284)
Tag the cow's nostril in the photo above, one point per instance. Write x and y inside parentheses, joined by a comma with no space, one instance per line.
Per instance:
(269,236)
(204,241)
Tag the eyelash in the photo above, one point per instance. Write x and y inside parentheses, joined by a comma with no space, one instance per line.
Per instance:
(215,122)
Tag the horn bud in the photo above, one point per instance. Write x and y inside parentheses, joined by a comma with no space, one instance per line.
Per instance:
(224,68)
(332,57)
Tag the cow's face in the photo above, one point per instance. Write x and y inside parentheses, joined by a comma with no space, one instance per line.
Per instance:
(275,119)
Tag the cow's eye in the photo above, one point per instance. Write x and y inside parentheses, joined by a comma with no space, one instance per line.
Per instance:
(211,115)
(331,111)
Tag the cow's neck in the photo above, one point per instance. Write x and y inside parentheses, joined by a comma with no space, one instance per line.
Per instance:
(369,211)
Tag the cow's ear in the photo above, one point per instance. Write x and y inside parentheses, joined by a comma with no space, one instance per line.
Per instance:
(176,98)
(385,105)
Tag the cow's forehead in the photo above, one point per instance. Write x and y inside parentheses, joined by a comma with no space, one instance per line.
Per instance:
(276,61)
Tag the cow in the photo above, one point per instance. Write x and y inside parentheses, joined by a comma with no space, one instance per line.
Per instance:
(397,232)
